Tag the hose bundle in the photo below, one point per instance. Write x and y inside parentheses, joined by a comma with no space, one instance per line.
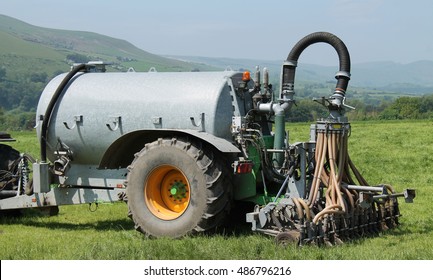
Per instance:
(333,169)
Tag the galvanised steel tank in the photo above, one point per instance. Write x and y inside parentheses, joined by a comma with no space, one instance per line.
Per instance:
(95,108)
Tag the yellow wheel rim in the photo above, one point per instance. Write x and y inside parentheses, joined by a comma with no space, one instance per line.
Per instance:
(167,192)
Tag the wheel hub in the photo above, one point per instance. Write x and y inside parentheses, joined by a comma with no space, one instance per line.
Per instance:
(178,191)
(167,192)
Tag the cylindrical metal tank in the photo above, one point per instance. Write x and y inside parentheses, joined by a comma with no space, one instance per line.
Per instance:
(95,109)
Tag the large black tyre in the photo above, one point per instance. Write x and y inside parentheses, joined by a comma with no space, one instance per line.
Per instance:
(176,188)
(8,156)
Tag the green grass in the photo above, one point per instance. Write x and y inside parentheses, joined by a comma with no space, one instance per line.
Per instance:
(398,153)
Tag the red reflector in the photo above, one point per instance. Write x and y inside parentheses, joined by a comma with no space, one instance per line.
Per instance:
(243,168)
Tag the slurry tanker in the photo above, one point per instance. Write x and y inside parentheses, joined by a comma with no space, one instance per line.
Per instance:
(182,148)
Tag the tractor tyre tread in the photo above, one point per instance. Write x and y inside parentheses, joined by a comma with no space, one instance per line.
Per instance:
(217,187)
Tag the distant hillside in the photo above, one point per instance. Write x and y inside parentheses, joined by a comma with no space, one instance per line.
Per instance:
(412,78)
(51,50)
(27,49)
(30,56)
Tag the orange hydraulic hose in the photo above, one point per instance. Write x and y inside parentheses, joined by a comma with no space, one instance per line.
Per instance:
(316,181)
(332,147)
(340,166)
(336,195)
(389,188)
(332,167)
(332,207)
(306,208)
(327,210)
(349,196)
(328,197)
(341,158)
(325,177)
(318,156)
(298,208)
(319,146)
(348,177)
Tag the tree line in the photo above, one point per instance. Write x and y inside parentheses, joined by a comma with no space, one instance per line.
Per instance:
(19,98)
(420,107)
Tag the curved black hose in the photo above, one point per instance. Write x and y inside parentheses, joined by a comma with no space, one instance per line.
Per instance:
(50,108)
(343,76)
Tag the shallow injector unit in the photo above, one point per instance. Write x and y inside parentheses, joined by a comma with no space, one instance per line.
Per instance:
(324,199)
(182,148)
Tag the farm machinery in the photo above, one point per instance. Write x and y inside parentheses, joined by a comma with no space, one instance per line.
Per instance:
(14,171)
(183,148)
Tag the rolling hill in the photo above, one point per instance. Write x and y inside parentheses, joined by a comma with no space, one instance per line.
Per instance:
(50,50)
(31,55)
(25,46)
(412,78)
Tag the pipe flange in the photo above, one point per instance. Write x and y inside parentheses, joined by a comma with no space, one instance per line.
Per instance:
(292,63)
(342,74)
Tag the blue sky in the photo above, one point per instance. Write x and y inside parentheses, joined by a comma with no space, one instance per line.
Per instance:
(373,30)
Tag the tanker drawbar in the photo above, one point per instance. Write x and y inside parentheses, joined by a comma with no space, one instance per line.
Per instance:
(181,149)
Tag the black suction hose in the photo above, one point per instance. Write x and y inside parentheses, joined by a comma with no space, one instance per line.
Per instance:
(343,76)
(50,108)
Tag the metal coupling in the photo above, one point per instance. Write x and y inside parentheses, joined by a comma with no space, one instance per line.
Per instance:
(342,74)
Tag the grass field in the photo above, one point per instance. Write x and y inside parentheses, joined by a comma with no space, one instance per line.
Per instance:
(399,153)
